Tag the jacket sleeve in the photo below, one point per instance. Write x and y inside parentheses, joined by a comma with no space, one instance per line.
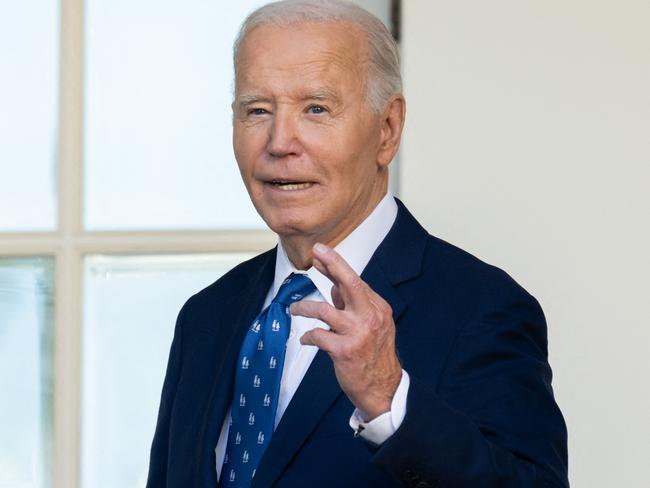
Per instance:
(491,421)
(160,446)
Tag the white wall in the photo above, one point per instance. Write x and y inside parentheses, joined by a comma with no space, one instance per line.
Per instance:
(528,144)
(381,8)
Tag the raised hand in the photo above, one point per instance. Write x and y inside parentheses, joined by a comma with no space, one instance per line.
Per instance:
(361,339)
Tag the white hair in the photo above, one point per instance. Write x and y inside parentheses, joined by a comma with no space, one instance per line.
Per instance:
(384,79)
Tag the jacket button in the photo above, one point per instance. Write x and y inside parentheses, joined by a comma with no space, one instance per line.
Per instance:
(409,477)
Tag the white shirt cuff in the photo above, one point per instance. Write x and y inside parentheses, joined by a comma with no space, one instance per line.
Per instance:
(378,430)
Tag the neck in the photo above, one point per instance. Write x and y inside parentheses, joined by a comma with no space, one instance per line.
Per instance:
(299,247)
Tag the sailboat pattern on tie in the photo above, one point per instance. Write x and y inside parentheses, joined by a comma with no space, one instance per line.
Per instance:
(257,384)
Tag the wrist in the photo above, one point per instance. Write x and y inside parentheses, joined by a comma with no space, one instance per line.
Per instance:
(378,402)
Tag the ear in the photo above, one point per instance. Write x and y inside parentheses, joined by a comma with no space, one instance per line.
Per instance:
(391,125)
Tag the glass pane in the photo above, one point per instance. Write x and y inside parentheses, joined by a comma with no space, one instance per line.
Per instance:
(29,41)
(130,307)
(26,329)
(158,118)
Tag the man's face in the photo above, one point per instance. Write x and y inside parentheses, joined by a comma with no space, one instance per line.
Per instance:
(305,137)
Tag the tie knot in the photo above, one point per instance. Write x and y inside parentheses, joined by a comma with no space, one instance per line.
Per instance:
(294,288)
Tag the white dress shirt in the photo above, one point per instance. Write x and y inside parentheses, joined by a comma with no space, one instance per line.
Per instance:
(357,249)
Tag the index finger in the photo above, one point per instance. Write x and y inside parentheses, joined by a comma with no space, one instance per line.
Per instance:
(332,265)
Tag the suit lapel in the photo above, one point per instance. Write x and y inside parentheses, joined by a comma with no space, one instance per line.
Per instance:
(241,312)
(395,261)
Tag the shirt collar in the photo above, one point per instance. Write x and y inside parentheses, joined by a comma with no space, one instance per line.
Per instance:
(357,248)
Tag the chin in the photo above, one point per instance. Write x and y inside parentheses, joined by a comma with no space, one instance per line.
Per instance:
(289,229)
(285,220)
(290,226)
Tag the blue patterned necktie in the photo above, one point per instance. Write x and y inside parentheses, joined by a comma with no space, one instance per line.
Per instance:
(257,384)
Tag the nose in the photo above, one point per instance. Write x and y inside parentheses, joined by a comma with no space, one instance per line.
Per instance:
(283,135)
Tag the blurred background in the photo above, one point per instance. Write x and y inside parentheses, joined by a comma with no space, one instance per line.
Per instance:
(527,143)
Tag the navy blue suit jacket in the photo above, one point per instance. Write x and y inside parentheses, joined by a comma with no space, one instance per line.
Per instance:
(480,408)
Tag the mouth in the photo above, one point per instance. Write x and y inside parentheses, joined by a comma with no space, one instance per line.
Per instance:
(286,185)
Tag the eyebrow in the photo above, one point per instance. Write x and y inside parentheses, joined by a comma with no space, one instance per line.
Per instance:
(322,94)
(244,101)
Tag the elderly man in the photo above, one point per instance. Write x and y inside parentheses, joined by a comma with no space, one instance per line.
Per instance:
(361,351)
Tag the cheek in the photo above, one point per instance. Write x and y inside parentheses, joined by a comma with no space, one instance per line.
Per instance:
(352,167)
(247,149)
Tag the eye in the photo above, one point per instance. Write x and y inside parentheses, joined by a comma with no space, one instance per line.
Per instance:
(257,111)
(316,109)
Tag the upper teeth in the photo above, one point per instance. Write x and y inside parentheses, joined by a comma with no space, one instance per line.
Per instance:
(291,186)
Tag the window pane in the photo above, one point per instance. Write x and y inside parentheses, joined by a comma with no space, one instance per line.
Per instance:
(130,307)
(26,372)
(28,112)
(158,117)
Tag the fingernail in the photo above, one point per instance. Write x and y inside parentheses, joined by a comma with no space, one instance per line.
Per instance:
(320,248)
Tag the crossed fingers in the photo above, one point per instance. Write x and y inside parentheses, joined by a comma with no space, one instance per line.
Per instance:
(361,339)
(353,300)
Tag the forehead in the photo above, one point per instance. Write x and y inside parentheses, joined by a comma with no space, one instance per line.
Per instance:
(295,55)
